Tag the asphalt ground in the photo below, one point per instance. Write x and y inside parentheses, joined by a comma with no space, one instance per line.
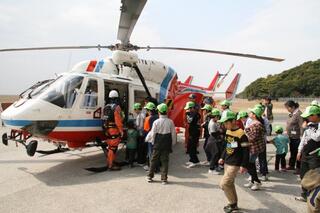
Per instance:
(59,183)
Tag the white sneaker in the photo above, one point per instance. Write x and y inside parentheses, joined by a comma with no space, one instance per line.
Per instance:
(215,172)
(256,186)
(264,178)
(205,163)
(192,165)
(188,163)
(146,167)
(248,185)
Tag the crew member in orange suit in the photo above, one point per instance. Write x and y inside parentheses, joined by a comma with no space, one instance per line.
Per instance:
(113,128)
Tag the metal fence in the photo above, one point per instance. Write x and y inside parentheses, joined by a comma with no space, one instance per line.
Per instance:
(300,99)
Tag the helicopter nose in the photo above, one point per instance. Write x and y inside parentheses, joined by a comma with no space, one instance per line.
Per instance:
(32,116)
(15,115)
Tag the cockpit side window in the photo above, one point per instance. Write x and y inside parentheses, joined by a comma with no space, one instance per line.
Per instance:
(63,91)
(91,94)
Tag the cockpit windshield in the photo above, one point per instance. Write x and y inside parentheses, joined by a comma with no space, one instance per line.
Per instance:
(36,89)
(63,91)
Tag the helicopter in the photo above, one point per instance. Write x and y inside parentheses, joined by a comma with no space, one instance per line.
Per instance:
(59,111)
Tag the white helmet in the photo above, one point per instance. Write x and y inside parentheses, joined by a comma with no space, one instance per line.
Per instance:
(113,94)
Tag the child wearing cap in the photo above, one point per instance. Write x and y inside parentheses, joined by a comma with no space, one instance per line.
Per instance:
(162,135)
(148,123)
(193,119)
(256,135)
(281,143)
(242,119)
(310,143)
(132,142)
(235,158)
(141,146)
(225,105)
(206,118)
(215,142)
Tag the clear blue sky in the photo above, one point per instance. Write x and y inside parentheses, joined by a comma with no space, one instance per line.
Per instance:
(279,28)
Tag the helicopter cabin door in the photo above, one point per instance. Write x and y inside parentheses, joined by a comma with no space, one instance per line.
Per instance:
(92,101)
(122,89)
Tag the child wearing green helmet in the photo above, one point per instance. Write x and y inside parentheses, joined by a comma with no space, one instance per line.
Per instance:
(162,136)
(308,150)
(192,121)
(235,158)
(152,115)
(214,147)
(139,123)
(255,132)
(281,142)
(206,119)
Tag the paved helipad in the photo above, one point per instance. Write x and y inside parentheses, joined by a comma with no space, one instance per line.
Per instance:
(58,183)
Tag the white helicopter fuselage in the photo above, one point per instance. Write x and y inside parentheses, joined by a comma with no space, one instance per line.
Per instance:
(60,110)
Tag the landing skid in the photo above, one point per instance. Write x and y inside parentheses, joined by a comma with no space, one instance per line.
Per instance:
(54,151)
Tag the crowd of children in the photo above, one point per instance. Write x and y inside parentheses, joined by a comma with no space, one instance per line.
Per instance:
(233,143)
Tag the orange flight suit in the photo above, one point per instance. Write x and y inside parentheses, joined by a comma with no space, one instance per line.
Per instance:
(114,131)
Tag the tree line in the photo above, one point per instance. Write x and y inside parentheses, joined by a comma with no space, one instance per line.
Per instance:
(300,81)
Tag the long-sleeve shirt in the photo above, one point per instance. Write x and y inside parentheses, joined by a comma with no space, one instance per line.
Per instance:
(236,152)
(294,124)
(140,122)
(256,135)
(162,126)
(281,143)
(311,133)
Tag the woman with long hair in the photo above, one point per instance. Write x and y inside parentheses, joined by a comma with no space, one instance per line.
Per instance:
(294,130)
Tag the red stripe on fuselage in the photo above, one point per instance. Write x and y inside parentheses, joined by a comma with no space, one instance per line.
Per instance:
(76,139)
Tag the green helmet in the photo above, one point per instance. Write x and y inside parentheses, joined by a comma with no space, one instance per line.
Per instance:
(242,114)
(162,108)
(311,110)
(278,129)
(207,107)
(137,106)
(227,115)
(215,112)
(260,106)
(314,103)
(189,105)
(258,111)
(225,103)
(150,106)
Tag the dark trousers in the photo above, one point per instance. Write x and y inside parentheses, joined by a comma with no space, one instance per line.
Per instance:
(280,158)
(208,154)
(130,155)
(192,149)
(252,170)
(216,155)
(162,157)
(263,162)
(308,162)
(142,151)
(294,144)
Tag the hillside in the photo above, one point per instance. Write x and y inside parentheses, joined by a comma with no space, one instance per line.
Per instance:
(300,81)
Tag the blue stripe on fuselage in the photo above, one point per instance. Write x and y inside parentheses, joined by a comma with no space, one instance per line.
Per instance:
(61,123)
(165,84)
(99,66)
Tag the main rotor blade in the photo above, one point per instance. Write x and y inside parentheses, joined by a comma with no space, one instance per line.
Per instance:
(214,51)
(57,48)
(130,12)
